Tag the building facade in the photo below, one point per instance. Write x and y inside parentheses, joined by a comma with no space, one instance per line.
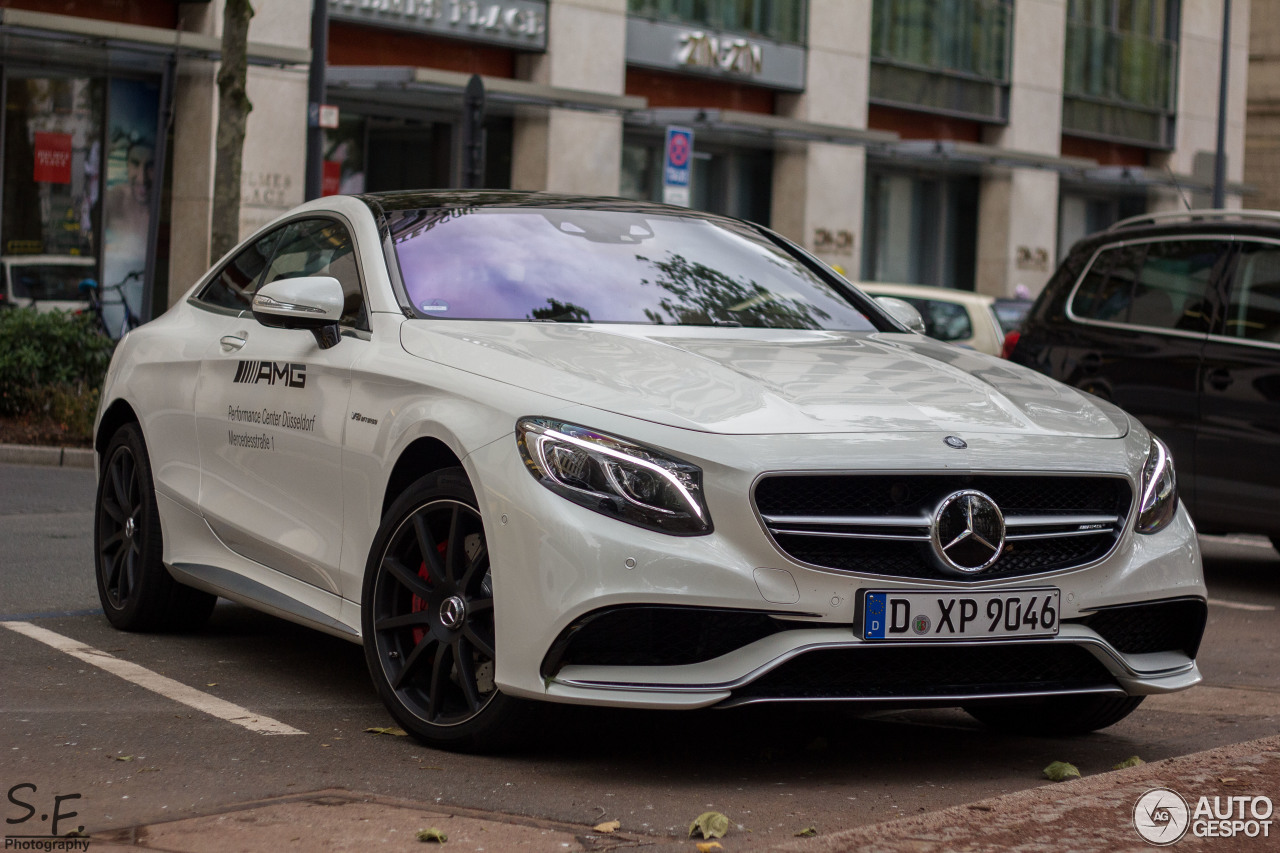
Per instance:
(964,143)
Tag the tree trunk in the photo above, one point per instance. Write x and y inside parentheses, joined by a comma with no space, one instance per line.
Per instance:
(233,115)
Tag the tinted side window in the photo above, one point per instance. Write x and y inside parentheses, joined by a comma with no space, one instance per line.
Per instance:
(234,285)
(1107,287)
(1172,292)
(322,247)
(1162,284)
(1253,310)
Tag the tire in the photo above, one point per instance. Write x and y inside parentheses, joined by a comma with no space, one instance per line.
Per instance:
(1056,716)
(428,620)
(136,590)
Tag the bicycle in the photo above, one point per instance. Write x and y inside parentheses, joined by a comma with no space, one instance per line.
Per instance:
(94,293)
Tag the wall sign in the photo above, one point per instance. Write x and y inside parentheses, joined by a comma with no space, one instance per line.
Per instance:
(53,158)
(521,24)
(674,47)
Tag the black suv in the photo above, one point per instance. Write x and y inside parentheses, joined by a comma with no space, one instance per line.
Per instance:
(1176,319)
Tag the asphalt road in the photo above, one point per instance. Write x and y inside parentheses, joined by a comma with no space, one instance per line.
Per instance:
(134,756)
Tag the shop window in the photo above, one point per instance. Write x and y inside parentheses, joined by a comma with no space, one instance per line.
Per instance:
(920,228)
(951,58)
(780,20)
(1120,70)
(726,180)
(52,159)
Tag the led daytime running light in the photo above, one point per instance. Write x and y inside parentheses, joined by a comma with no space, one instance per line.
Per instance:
(605,450)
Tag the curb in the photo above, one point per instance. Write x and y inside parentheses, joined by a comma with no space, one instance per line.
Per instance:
(1089,815)
(61,457)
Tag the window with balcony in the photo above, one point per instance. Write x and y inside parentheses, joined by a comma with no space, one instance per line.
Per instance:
(779,20)
(1120,71)
(950,58)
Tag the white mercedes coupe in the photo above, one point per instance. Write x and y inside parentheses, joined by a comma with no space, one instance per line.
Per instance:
(536,447)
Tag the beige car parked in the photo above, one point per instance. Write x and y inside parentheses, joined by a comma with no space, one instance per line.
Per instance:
(960,317)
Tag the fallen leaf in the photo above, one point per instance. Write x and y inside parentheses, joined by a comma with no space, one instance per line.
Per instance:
(120,757)
(387,730)
(1060,771)
(709,825)
(1131,761)
(1229,780)
(212,684)
(432,835)
(807,832)
(708,846)
(608,826)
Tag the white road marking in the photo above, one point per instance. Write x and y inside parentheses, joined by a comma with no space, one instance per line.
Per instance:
(155,682)
(1240,605)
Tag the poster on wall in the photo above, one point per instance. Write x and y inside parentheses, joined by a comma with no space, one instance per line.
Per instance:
(53,158)
(133,109)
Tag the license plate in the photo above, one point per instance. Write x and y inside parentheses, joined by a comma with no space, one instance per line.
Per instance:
(946,615)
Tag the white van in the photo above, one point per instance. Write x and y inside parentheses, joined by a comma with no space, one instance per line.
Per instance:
(49,282)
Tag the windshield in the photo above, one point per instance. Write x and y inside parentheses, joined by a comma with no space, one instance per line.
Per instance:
(592,266)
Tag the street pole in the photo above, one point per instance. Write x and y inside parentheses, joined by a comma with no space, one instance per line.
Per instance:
(315,97)
(473,134)
(1220,156)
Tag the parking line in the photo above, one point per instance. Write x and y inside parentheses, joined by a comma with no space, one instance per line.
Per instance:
(156,683)
(1239,605)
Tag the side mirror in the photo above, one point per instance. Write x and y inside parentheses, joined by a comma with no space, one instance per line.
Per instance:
(902,311)
(312,302)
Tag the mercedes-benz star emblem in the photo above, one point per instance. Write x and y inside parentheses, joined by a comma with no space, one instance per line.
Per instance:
(453,611)
(956,441)
(968,532)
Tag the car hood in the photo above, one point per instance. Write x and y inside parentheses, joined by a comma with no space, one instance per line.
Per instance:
(765,381)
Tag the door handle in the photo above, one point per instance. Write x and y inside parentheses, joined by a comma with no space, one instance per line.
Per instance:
(231,343)
(1220,379)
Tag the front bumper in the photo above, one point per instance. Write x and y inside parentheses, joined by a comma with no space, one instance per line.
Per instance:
(556,563)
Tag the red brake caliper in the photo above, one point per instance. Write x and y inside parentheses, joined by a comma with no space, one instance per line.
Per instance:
(417,603)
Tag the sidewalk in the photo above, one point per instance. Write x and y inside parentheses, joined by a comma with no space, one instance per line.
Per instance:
(1090,815)
(30,454)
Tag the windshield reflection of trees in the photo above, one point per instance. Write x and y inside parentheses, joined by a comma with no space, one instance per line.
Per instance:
(699,295)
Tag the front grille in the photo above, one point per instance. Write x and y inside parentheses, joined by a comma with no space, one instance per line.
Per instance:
(886,673)
(1153,626)
(881,524)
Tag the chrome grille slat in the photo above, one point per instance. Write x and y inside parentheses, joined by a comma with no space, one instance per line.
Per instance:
(881,524)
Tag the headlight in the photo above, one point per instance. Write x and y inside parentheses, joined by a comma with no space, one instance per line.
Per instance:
(615,477)
(1159,490)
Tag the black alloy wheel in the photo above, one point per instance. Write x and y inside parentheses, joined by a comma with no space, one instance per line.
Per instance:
(428,618)
(136,590)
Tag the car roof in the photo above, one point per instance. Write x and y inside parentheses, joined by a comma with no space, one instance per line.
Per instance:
(393,201)
(1217,223)
(925,291)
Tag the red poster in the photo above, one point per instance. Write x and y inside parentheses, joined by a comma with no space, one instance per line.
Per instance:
(331,178)
(53,158)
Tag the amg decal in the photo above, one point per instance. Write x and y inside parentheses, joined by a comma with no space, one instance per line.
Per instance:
(292,374)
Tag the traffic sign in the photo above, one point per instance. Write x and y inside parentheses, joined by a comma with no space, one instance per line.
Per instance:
(677,171)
